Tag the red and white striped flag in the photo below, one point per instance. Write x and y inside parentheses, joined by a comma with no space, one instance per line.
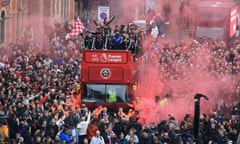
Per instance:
(78,28)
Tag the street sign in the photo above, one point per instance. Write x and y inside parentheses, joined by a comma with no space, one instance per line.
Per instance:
(103,12)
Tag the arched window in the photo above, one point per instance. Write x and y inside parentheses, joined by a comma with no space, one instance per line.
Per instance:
(2,27)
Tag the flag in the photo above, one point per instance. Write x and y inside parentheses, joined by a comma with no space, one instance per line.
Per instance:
(78,28)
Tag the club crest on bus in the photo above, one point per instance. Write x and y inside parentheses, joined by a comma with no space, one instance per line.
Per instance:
(105,73)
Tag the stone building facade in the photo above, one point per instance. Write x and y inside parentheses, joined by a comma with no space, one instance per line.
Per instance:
(15,15)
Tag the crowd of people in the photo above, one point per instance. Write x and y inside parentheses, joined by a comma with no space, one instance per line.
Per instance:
(181,67)
(121,37)
(39,86)
(206,56)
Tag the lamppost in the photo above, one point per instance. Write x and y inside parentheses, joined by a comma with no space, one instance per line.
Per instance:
(197,98)
(2,26)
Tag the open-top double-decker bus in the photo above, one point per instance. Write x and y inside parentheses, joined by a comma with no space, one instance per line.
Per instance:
(107,78)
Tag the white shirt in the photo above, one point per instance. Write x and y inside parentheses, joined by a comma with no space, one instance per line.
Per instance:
(47,62)
(82,126)
(238,140)
(97,140)
(154,32)
(74,134)
(60,122)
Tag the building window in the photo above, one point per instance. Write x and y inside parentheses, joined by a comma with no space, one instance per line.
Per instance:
(77,8)
(65,8)
(2,27)
(33,7)
(47,8)
(57,7)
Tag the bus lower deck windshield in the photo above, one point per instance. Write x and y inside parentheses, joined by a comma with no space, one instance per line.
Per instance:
(105,93)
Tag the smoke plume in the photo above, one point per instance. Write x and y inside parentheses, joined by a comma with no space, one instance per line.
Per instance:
(169,88)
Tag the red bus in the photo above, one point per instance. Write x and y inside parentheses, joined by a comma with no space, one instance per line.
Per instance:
(107,78)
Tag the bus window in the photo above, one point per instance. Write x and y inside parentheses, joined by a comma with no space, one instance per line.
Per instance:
(117,93)
(105,93)
(94,93)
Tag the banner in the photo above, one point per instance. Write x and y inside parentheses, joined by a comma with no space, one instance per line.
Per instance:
(103,12)
(233,21)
